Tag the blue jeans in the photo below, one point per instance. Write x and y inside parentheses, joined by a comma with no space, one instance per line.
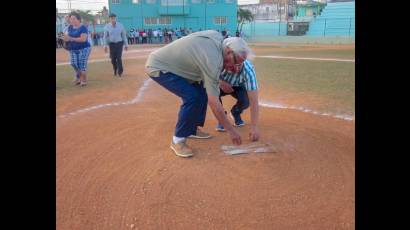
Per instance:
(241,95)
(192,112)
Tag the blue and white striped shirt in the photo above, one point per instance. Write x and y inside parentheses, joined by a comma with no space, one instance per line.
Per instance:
(246,77)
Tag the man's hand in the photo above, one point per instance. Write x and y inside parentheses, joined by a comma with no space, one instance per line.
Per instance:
(225,86)
(235,137)
(126,48)
(254,133)
(218,111)
(105,49)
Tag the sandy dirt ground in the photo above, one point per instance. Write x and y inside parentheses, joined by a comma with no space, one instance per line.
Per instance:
(115,169)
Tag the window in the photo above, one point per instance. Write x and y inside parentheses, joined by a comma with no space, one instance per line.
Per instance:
(151,1)
(165,21)
(135,1)
(196,1)
(220,20)
(151,21)
(174,2)
(115,1)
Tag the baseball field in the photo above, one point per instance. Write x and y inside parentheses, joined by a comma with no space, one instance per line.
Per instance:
(115,169)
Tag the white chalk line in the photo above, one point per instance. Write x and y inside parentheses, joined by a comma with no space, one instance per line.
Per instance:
(306,110)
(101,60)
(141,50)
(135,100)
(274,57)
(309,58)
(107,59)
(262,103)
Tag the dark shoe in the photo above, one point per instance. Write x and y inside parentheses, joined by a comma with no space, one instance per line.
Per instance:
(238,122)
(220,128)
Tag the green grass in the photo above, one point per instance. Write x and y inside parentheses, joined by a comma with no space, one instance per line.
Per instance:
(324,53)
(100,74)
(346,54)
(333,82)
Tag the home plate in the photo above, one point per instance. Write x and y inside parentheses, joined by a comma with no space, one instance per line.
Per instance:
(248,148)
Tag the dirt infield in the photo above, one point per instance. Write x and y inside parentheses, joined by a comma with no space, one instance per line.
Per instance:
(115,169)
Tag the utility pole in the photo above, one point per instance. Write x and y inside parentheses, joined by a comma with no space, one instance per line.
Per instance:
(183,11)
(205,12)
(280,15)
(142,17)
(69,5)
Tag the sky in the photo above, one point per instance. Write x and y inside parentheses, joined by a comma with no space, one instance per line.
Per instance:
(97,5)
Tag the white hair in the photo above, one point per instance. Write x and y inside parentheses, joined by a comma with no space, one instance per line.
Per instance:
(238,46)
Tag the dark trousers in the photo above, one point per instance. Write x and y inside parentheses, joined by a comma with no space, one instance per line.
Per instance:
(115,55)
(241,96)
(192,112)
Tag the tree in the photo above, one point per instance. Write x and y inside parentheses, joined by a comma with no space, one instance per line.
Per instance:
(86,16)
(103,15)
(244,16)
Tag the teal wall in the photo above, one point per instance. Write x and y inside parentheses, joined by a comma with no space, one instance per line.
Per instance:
(265,28)
(192,15)
(302,9)
(337,19)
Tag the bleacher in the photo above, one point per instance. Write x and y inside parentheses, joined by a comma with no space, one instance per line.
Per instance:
(336,19)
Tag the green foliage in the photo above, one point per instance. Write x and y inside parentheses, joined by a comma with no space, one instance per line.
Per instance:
(244,16)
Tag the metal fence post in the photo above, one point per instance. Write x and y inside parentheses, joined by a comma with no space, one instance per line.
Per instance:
(254,28)
(324,30)
(205,13)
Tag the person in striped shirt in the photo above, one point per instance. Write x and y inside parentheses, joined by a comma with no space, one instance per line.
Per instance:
(243,86)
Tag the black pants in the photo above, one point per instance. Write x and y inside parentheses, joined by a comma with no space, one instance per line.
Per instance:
(115,55)
(241,95)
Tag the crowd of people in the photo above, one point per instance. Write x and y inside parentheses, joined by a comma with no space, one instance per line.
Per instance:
(146,36)
(164,35)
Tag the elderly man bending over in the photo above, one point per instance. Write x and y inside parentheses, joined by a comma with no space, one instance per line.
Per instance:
(190,68)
